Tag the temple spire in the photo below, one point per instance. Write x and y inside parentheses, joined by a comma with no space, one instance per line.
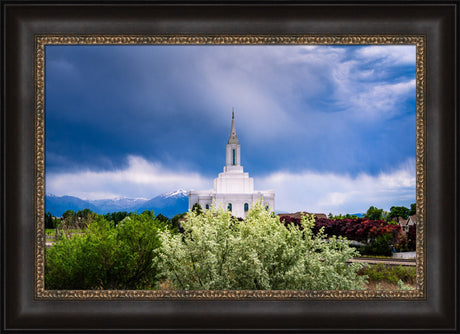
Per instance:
(233,138)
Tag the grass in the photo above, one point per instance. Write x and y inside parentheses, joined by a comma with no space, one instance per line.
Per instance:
(50,231)
(388,286)
(375,256)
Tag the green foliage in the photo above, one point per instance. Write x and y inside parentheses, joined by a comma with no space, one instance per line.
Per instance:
(116,217)
(75,220)
(50,221)
(148,213)
(85,214)
(380,246)
(390,274)
(216,251)
(413,209)
(105,256)
(399,211)
(49,232)
(197,209)
(175,224)
(68,214)
(374,214)
(341,217)
(163,219)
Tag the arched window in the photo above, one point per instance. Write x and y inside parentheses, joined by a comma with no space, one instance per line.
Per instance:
(229,207)
(246,207)
(207,206)
(234,158)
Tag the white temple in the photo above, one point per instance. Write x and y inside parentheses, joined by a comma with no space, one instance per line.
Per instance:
(233,189)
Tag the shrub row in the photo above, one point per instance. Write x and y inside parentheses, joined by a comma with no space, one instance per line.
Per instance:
(213,251)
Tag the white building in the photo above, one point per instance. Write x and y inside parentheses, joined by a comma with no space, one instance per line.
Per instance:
(233,189)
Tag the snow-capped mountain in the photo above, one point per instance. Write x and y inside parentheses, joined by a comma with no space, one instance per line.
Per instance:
(117,204)
(168,204)
(176,193)
(57,205)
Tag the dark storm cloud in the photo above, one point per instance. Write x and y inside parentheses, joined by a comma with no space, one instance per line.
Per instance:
(343,110)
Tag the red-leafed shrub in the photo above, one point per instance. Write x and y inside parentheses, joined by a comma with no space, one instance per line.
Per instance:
(406,242)
(411,237)
(359,229)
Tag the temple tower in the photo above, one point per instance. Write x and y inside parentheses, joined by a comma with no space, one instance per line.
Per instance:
(233,189)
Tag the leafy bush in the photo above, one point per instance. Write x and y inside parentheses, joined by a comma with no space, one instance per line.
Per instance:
(217,251)
(412,237)
(105,256)
(390,274)
(380,247)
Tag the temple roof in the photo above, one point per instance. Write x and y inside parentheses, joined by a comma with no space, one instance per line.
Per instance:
(233,138)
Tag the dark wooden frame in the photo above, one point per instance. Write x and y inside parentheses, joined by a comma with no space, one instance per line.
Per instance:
(436,21)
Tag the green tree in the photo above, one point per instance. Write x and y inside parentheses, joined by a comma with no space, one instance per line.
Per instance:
(374,214)
(399,211)
(67,222)
(216,251)
(413,209)
(162,218)
(175,221)
(83,218)
(68,214)
(149,213)
(197,209)
(50,222)
(116,217)
(105,256)
(76,220)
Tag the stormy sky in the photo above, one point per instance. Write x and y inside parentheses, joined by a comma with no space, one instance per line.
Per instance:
(329,128)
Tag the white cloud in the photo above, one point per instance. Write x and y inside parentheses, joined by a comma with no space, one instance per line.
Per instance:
(327,192)
(395,54)
(141,178)
(308,191)
(381,100)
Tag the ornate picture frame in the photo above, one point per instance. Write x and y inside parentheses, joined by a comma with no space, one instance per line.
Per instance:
(42,41)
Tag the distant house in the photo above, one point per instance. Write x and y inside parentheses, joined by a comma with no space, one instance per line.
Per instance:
(406,223)
(320,215)
(412,220)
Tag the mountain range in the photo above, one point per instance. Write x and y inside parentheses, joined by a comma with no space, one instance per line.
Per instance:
(168,204)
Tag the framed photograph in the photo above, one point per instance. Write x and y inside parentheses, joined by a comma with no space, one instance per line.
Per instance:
(337,109)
